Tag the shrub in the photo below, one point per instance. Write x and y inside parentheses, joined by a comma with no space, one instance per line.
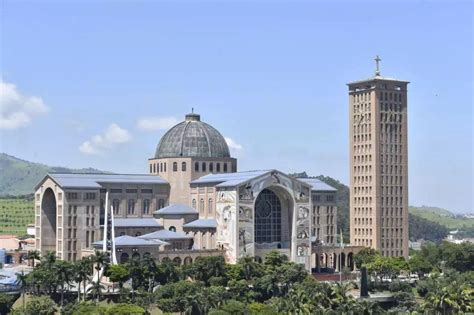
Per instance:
(125,309)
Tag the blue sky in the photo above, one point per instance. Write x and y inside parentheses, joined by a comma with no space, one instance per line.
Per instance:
(93,84)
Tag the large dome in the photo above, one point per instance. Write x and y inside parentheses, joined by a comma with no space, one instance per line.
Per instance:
(192,138)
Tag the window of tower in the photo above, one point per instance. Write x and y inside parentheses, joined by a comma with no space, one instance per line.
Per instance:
(175,166)
(203,166)
(183,166)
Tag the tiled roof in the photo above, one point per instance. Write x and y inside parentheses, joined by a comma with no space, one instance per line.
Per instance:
(95,180)
(126,240)
(317,185)
(136,222)
(176,209)
(165,235)
(202,223)
(229,179)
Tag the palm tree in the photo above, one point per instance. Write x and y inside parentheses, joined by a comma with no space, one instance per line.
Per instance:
(82,271)
(101,260)
(48,259)
(22,281)
(64,272)
(32,256)
(96,289)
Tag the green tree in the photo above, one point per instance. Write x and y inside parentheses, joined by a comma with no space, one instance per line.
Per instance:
(33,255)
(64,273)
(82,275)
(22,282)
(118,273)
(365,256)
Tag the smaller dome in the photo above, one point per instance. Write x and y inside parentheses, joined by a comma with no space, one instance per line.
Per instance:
(192,138)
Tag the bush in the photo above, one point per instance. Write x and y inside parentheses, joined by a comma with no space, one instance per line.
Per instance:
(37,306)
(6,303)
(85,308)
(125,309)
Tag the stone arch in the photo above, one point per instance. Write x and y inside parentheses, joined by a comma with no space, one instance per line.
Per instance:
(48,221)
(188,260)
(177,261)
(274,206)
(350,261)
(342,262)
(124,257)
(147,255)
(335,261)
(165,259)
(136,256)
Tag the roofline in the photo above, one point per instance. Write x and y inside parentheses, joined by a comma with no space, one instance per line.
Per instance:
(44,179)
(377,79)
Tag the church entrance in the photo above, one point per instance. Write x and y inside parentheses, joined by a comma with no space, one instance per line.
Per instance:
(273,213)
(48,221)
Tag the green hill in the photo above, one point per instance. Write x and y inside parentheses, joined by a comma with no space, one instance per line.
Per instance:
(18,177)
(443,217)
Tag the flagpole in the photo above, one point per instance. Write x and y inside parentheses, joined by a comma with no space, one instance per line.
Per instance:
(340,259)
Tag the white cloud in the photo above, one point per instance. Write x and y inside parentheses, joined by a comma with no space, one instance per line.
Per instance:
(112,136)
(17,110)
(156,123)
(233,145)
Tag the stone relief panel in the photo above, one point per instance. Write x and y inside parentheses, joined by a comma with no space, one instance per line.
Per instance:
(226,216)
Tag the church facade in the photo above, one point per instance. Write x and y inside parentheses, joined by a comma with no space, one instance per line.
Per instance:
(192,203)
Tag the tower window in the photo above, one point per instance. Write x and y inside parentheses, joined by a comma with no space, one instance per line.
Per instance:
(225,167)
(218,167)
(203,167)
(175,166)
(211,167)
(194,203)
(196,166)
(209,210)
(183,166)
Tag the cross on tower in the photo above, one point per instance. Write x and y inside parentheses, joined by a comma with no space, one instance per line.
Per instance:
(377,61)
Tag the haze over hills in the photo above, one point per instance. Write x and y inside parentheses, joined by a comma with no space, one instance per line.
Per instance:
(18,177)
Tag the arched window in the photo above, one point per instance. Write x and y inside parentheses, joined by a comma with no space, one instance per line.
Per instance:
(161,167)
(116,206)
(154,168)
(175,166)
(209,210)
(172,229)
(131,206)
(201,206)
(146,206)
(225,167)
(164,167)
(183,166)
(161,203)
(92,237)
(194,203)
(211,167)
(203,166)
(87,238)
(218,167)
(196,166)
(151,168)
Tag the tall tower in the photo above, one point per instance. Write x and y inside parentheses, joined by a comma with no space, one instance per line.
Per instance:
(378,164)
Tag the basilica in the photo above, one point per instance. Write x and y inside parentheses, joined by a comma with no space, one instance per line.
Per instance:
(194,202)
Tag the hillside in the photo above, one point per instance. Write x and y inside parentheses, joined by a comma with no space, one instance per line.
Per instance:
(443,217)
(18,177)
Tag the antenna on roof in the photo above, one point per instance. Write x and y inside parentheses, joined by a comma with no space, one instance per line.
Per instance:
(192,110)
